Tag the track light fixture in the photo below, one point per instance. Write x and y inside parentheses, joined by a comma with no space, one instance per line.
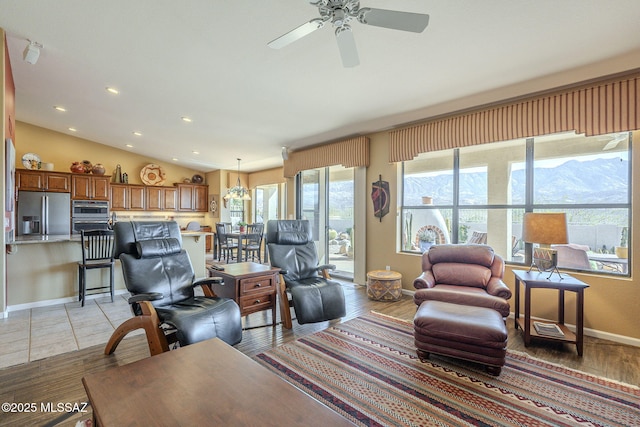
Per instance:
(32,52)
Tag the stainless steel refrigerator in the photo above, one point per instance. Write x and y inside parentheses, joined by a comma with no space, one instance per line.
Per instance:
(43,213)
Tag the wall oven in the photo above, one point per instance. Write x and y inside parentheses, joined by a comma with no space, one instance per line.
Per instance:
(89,215)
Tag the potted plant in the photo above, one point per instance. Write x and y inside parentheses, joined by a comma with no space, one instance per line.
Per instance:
(426,238)
(242,225)
(622,251)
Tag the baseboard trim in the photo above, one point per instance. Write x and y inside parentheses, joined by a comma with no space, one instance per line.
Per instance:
(46,303)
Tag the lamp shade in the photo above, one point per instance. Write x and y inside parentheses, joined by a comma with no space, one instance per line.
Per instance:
(545,228)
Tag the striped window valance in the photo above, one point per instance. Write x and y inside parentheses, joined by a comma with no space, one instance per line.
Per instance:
(266,177)
(598,108)
(349,153)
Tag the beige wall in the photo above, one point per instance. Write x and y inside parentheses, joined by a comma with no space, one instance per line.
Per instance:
(610,302)
(62,150)
(3,184)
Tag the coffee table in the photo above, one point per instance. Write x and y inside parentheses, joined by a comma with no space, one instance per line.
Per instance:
(208,383)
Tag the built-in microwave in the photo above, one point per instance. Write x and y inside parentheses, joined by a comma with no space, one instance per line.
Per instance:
(89,215)
(90,209)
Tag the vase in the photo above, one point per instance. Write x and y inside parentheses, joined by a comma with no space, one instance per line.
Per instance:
(622,252)
(77,167)
(87,166)
(98,169)
(424,246)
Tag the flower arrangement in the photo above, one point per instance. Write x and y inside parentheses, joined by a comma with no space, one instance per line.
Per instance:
(426,235)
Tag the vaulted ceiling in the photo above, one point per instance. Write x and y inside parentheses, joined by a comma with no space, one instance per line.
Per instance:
(208,60)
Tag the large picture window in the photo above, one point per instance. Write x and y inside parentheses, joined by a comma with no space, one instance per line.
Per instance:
(479,194)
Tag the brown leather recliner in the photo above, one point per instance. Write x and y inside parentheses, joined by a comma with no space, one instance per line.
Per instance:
(463,274)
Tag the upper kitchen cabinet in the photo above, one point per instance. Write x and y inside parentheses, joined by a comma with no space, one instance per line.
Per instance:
(192,197)
(127,197)
(30,180)
(161,198)
(90,187)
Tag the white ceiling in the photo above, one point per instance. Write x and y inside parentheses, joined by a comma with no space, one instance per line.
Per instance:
(209,60)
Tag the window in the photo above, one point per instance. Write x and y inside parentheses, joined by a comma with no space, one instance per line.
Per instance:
(236,211)
(266,203)
(479,194)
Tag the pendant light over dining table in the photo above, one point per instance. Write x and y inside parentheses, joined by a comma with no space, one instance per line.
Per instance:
(238,191)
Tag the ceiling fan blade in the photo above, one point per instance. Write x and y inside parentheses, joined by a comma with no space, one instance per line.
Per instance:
(296,34)
(347,46)
(396,20)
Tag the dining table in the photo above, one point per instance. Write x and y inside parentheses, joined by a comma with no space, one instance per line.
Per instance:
(241,237)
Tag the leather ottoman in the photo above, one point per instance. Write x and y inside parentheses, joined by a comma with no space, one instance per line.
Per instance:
(477,334)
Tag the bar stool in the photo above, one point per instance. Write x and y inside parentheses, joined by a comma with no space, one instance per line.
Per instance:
(97,252)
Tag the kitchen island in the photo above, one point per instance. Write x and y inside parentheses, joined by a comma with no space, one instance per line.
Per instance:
(43,270)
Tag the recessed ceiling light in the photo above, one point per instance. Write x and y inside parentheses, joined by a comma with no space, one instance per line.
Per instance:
(112,90)
(195,152)
(129,146)
(175,159)
(59,108)
(73,129)
(136,133)
(186,119)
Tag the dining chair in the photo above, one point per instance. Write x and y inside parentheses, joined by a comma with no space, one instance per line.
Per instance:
(226,246)
(253,243)
(97,253)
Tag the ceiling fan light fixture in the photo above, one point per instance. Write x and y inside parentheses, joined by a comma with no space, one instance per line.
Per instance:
(341,13)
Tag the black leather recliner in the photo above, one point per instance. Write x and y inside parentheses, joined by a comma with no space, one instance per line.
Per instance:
(315,298)
(159,275)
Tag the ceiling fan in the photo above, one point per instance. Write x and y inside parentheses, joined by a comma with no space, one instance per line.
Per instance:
(340,13)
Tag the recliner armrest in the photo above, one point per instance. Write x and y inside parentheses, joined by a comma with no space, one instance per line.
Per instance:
(208,281)
(151,296)
(326,267)
(425,280)
(498,288)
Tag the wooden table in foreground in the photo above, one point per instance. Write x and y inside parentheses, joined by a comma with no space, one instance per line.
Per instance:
(534,279)
(208,383)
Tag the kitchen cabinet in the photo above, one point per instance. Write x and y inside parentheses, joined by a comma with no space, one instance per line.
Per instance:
(160,198)
(208,245)
(90,187)
(28,180)
(192,197)
(127,197)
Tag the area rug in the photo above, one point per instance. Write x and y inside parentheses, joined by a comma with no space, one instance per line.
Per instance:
(367,370)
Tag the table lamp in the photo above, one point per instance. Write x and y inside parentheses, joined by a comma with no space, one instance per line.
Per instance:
(545,229)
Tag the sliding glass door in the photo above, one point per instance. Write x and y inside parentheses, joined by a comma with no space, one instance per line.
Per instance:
(326,199)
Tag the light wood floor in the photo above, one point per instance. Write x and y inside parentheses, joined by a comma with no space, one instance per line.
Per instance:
(58,378)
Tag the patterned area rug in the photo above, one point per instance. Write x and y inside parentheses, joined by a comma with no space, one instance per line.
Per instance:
(367,370)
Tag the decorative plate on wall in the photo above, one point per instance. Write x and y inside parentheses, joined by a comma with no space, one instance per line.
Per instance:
(197,179)
(31,161)
(152,174)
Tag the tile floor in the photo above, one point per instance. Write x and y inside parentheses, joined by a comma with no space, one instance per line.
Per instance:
(37,333)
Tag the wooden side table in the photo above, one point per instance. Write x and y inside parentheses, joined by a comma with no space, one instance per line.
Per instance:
(535,279)
(253,286)
(384,285)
